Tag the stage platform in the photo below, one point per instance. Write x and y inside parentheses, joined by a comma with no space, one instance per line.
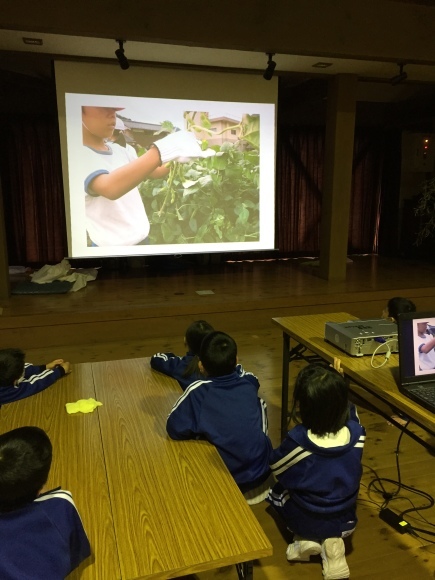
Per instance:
(153,301)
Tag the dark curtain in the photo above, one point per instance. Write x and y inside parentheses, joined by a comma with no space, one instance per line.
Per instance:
(30,169)
(31,173)
(366,191)
(373,220)
(299,182)
(388,231)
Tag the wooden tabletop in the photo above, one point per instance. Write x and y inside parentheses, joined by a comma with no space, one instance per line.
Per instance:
(176,508)
(382,382)
(152,507)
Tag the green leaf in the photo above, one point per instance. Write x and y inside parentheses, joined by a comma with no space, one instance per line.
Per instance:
(166,127)
(205,209)
(251,130)
(218,230)
(167,233)
(192,174)
(252,157)
(193,225)
(189,183)
(233,172)
(243,216)
(226,147)
(201,233)
(158,219)
(189,191)
(218,162)
(206,180)
(205,122)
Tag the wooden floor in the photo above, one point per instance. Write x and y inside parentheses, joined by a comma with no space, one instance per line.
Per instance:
(157,301)
(127,314)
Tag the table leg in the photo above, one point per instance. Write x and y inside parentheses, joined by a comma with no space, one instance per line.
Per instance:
(284,387)
(245,570)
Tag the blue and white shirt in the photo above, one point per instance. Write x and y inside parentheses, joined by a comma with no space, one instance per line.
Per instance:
(175,366)
(44,539)
(35,379)
(319,478)
(227,412)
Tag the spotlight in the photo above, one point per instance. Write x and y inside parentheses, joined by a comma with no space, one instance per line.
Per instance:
(122,59)
(271,64)
(402,76)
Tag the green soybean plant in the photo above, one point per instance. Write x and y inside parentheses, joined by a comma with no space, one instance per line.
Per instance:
(209,200)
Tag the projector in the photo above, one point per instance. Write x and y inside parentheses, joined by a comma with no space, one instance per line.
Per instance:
(360,337)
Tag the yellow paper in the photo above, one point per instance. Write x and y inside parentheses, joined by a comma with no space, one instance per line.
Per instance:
(82,406)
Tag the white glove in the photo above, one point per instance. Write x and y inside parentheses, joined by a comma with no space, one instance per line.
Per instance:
(181,146)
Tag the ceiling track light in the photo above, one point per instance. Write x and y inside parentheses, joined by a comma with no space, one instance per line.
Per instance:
(402,76)
(122,59)
(271,64)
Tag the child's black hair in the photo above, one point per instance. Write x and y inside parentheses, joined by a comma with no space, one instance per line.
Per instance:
(11,366)
(194,336)
(320,398)
(25,460)
(218,354)
(399,305)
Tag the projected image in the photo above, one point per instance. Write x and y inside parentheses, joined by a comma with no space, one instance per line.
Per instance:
(424,344)
(151,176)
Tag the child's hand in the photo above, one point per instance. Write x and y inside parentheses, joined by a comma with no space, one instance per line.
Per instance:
(181,146)
(66,367)
(54,363)
(337,366)
(60,362)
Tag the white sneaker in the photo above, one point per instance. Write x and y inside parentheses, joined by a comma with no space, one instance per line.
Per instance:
(301,550)
(333,559)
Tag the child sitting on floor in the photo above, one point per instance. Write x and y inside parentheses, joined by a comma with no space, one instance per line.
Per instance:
(19,379)
(224,408)
(184,368)
(41,534)
(318,468)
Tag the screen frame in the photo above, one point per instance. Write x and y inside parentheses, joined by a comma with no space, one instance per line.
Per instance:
(407,322)
(73,78)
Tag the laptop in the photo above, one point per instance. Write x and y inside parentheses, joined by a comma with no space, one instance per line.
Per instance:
(417,357)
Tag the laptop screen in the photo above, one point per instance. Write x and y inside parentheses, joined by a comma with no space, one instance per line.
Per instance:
(416,346)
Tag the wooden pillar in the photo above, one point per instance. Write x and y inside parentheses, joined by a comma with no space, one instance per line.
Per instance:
(5,289)
(340,129)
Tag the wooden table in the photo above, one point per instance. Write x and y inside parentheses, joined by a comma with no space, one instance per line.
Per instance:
(152,507)
(380,384)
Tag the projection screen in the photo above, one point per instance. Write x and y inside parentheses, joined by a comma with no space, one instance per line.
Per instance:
(208,186)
